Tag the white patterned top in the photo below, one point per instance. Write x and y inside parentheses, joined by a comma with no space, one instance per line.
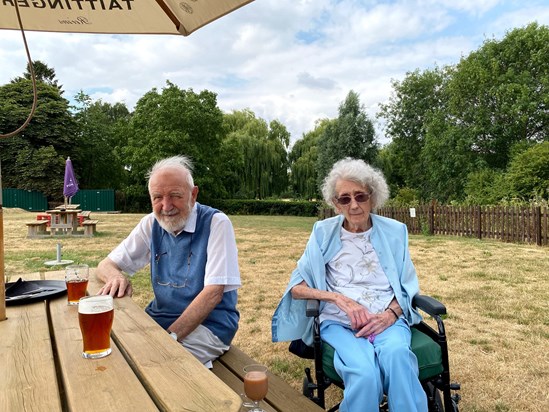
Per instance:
(355,272)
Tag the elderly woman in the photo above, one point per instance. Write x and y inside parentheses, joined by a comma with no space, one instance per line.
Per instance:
(358,265)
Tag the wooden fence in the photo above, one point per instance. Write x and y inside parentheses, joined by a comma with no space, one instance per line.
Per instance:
(520,224)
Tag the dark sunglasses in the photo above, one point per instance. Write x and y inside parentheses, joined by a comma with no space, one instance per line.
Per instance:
(359,198)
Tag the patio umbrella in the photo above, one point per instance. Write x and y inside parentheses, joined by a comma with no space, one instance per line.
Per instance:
(116,16)
(70,185)
(108,16)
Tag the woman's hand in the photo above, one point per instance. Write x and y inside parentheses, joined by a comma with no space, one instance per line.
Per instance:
(376,324)
(358,314)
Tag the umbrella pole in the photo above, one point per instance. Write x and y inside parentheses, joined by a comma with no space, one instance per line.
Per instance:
(2,277)
(2,281)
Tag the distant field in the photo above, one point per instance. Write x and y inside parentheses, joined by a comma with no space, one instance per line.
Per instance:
(497,295)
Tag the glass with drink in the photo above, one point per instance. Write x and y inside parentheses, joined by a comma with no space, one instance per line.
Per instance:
(95,314)
(256,384)
(76,278)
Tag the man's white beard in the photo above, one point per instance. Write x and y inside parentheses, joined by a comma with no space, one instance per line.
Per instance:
(172,226)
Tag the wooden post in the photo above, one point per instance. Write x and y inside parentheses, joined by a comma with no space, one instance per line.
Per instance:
(2,275)
(537,226)
(479,222)
(432,218)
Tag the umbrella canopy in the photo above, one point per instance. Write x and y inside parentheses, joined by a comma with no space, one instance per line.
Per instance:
(116,16)
(70,185)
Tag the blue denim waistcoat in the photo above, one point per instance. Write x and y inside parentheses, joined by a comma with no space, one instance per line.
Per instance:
(178,265)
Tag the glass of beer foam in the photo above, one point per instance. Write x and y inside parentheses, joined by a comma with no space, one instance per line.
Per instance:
(95,315)
(76,278)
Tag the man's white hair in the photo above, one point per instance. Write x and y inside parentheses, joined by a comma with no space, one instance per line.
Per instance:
(181,163)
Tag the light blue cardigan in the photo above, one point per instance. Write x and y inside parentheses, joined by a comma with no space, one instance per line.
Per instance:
(390,241)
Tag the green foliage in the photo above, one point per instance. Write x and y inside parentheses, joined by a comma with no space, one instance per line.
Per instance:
(102,133)
(40,169)
(173,122)
(528,173)
(499,93)
(411,105)
(405,196)
(34,159)
(303,161)
(352,134)
(450,127)
(267,207)
(486,187)
(256,156)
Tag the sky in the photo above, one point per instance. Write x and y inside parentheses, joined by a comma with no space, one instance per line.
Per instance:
(293,61)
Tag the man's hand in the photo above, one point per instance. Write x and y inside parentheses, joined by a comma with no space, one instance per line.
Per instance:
(116,283)
(117,286)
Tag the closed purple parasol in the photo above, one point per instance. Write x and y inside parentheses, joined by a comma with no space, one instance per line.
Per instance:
(70,185)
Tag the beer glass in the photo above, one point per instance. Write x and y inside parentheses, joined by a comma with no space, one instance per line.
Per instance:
(255,384)
(76,278)
(95,314)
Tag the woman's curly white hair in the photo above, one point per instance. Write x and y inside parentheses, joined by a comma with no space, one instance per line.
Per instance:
(358,171)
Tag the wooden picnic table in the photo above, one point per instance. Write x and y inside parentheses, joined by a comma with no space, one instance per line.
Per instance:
(63,220)
(43,369)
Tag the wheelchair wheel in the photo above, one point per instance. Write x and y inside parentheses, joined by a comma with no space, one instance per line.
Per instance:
(434,398)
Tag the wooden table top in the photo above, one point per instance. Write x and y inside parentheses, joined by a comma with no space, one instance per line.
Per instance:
(43,369)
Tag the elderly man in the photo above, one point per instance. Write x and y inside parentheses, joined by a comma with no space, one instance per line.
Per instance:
(193,259)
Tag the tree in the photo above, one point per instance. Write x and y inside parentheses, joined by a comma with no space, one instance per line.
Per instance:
(303,161)
(30,159)
(262,169)
(459,123)
(500,93)
(101,138)
(171,122)
(412,103)
(352,134)
(43,73)
(528,173)
(448,160)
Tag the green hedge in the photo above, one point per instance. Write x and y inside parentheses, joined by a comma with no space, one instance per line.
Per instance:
(267,207)
(142,204)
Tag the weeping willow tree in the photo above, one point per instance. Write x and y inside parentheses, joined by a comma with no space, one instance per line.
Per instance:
(262,167)
(303,160)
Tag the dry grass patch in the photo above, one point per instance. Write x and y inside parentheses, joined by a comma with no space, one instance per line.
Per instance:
(495,293)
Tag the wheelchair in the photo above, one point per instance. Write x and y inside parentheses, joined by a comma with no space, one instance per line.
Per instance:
(429,346)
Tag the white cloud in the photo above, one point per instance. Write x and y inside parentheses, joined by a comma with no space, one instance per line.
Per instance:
(291,60)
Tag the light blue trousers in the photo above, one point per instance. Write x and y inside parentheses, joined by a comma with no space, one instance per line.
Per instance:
(369,369)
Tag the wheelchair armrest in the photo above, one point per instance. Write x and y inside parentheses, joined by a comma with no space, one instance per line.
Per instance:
(429,305)
(313,308)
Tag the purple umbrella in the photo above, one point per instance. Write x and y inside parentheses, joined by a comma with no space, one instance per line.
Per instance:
(70,186)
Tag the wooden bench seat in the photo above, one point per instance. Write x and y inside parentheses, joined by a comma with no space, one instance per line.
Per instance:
(36,228)
(90,227)
(281,396)
(85,214)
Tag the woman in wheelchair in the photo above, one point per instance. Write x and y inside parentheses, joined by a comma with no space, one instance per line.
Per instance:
(358,265)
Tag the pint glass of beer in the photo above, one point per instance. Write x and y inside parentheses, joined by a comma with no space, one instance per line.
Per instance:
(76,278)
(95,314)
